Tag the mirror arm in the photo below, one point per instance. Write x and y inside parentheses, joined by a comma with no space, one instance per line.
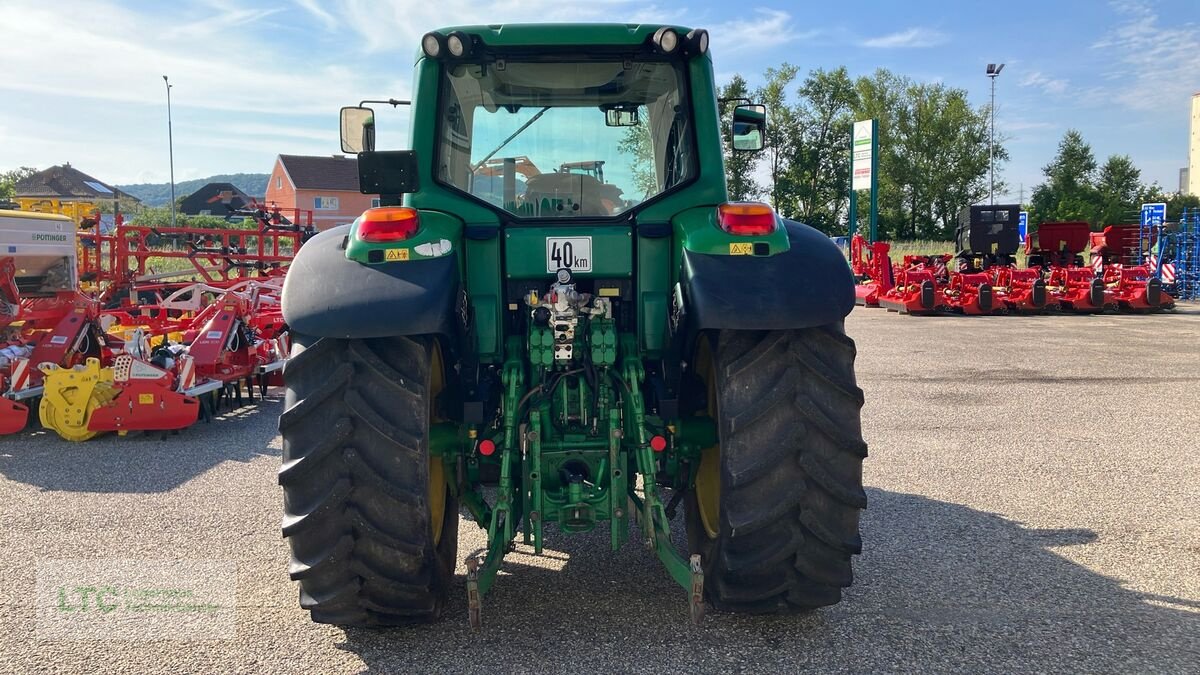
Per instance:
(391,101)
(740,99)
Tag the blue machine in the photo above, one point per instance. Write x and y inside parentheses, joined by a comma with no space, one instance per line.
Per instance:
(1187,255)
(1173,253)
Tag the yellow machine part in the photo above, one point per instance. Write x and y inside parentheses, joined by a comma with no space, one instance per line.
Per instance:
(71,395)
(126,333)
(76,211)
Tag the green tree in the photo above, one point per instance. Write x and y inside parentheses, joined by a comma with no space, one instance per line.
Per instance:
(783,129)
(880,97)
(943,164)
(9,179)
(1069,193)
(160,216)
(1119,186)
(739,166)
(1176,201)
(820,170)
(638,144)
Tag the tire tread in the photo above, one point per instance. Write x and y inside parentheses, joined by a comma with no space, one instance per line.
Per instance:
(791,474)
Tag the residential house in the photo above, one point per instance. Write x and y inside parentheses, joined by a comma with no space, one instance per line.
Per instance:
(325,185)
(66,190)
(215,199)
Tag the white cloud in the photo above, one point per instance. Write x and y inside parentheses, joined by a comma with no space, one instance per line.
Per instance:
(1027,125)
(57,50)
(249,78)
(1049,85)
(314,8)
(906,39)
(767,28)
(1155,64)
(215,17)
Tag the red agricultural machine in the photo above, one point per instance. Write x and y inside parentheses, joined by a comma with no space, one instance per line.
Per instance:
(980,279)
(1124,267)
(1056,249)
(123,357)
(983,276)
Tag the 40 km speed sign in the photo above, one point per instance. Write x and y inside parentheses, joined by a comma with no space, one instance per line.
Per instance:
(573,253)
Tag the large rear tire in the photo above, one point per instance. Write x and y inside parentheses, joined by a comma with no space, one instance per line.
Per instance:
(774,514)
(372,528)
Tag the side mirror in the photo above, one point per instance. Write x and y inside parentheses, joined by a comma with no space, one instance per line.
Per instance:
(358,129)
(749,127)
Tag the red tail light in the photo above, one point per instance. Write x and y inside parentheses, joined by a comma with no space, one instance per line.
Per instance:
(748,219)
(388,223)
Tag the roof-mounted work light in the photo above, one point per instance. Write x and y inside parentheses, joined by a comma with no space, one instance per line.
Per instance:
(459,44)
(431,44)
(666,40)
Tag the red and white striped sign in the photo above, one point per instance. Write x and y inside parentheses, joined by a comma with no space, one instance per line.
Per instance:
(1168,269)
(20,374)
(187,372)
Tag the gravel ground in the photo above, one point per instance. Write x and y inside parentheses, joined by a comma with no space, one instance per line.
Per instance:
(1033,507)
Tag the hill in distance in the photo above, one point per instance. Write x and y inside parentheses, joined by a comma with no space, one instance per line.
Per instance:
(159,194)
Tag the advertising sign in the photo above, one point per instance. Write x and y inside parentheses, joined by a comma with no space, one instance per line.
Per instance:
(863,144)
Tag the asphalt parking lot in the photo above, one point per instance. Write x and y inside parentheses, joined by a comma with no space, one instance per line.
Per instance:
(1034,494)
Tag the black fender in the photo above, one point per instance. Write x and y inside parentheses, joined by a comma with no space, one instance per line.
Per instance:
(808,285)
(327,295)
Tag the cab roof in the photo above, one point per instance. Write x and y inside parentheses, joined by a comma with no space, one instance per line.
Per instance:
(562,34)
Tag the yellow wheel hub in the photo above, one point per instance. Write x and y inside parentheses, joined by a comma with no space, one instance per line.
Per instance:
(708,474)
(437,472)
(71,395)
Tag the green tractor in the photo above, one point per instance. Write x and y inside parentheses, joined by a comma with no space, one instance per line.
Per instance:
(560,352)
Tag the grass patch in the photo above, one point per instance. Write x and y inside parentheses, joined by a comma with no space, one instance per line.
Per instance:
(900,249)
(920,247)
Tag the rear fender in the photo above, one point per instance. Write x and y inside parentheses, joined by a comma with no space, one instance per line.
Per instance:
(808,285)
(327,295)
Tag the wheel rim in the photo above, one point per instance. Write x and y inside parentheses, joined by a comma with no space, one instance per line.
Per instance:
(708,474)
(437,473)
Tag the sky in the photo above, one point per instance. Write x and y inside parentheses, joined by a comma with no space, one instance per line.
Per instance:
(81,80)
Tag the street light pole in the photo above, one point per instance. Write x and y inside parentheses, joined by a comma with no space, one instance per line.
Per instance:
(170,149)
(993,71)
